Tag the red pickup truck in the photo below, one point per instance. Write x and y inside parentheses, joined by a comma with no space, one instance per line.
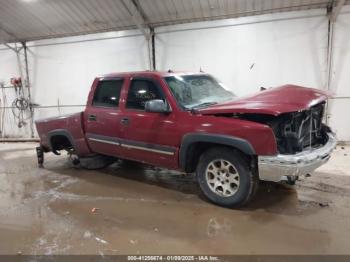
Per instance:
(190,122)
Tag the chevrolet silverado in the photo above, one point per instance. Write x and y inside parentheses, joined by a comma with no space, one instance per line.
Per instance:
(192,123)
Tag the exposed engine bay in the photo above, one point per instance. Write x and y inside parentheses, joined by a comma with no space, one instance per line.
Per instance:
(295,131)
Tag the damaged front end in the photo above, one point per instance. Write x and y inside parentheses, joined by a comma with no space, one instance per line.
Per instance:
(291,167)
(304,143)
(298,131)
(295,114)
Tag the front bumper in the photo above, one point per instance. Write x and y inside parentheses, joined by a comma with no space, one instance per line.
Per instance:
(283,167)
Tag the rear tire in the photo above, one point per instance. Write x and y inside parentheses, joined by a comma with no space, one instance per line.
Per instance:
(225,177)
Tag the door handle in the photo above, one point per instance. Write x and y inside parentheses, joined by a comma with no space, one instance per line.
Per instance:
(124,121)
(92,118)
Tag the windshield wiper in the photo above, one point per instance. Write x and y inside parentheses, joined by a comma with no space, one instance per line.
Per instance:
(204,104)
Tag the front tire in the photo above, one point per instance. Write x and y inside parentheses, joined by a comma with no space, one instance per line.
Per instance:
(225,177)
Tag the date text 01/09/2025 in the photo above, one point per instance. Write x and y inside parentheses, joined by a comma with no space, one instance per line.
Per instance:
(173,258)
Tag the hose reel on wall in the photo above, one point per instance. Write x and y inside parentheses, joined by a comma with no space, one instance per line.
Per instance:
(21,107)
(21,111)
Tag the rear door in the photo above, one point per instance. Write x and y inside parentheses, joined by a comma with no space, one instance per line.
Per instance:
(102,117)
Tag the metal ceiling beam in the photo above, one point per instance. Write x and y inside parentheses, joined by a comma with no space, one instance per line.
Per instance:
(10,47)
(150,36)
(138,17)
(4,32)
(336,10)
(139,9)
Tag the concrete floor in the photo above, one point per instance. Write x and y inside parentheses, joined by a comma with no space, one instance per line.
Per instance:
(145,210)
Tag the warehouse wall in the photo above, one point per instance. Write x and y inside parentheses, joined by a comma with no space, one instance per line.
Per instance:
(62,70)
(250,52)
(340,84)
(8,64)
(245,53)
(66,67)
(268,50)
(8,69)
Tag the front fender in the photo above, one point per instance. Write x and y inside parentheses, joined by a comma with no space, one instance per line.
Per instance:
(191,138)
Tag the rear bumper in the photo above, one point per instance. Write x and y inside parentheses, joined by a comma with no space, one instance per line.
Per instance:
(282,167)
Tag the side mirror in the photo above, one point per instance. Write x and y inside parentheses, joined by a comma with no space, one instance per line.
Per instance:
(157,106)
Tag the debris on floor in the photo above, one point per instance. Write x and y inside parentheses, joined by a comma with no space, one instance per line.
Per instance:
(147,210)
(323,204)
(101,240)
(87,234)
(94,210)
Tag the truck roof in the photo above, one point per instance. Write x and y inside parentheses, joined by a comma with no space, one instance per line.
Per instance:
(150,73)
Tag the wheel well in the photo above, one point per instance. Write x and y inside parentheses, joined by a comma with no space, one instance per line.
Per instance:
(196,149)
(59,142)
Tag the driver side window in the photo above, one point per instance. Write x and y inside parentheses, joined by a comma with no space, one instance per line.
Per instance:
(140,92)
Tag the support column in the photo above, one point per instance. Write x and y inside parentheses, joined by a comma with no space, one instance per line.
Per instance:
(28,86)
(332,14)
(153,41)
(329,63)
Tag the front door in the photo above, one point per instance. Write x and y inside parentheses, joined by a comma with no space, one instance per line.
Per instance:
(103,116)
(148,137)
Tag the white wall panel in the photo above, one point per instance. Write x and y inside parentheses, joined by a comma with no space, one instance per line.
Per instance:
(341,54)
(8,64)
(63,71)
(271,50)
(247,53)
(339,118)
(9,69)
(340,84)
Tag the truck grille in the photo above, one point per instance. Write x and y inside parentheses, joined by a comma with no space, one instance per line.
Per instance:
(310,127)
(298,131)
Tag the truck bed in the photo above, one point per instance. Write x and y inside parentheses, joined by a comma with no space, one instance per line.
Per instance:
(70,126)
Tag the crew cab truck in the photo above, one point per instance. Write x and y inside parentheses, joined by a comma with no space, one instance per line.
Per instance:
(192,123)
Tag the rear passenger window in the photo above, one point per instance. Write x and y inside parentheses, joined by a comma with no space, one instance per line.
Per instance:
(107,93)
(140,92)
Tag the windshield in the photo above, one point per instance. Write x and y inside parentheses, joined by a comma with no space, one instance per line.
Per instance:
(194,91)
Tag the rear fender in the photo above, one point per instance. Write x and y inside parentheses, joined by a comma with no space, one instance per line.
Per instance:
(60,132)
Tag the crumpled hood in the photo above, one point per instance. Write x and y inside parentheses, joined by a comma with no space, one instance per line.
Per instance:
(274,101)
